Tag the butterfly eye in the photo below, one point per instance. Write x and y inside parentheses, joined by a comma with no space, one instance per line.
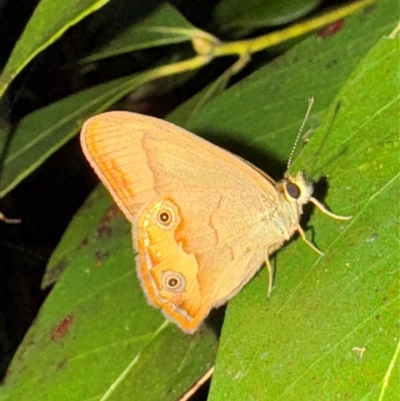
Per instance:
(173,281)
(165,217)
(293,190)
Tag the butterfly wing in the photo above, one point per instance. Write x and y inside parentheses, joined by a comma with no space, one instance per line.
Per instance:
(200,214)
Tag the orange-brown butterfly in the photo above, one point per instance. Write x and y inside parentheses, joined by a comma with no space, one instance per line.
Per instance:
(203,220)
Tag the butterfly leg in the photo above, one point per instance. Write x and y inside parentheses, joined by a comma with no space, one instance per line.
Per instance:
(270,272)
(304,238)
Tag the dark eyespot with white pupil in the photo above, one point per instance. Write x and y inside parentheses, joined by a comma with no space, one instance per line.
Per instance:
(164,217)
(173,281)
(293,190)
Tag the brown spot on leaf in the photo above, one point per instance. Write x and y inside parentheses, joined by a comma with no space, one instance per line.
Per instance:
(111,214)
(61,364)
(61,330)
(369,9)
(104,231)
(331,29)
(83,243)
(331,63)
(101,256)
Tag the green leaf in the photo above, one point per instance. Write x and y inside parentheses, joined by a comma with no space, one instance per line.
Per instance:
(330,329)
(182,114)
(245,16)
(40,34)
(163,26)
(90,213)
(260,116)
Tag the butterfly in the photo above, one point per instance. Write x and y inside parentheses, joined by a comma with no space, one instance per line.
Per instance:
(203,220)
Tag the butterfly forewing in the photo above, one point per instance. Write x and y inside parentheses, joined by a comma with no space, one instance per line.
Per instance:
(220,210)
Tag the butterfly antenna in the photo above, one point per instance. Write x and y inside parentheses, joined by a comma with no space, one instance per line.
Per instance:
(310,104)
